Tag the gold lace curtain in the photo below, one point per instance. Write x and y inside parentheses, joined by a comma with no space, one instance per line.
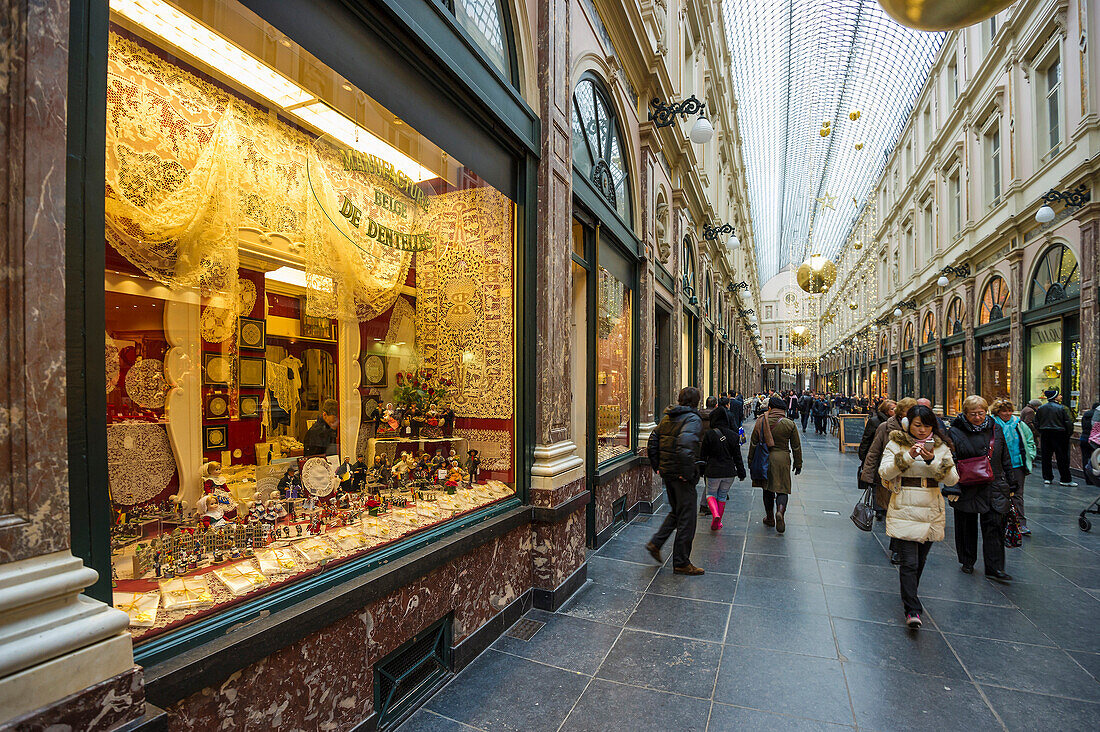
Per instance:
(188,164)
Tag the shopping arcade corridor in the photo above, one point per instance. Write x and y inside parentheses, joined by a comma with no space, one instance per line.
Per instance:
(803,631)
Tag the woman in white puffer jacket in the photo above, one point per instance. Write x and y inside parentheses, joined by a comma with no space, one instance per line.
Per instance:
(914,465)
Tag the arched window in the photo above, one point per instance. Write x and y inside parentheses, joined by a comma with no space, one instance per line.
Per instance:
(1056,277)
(953,325)
(688,266)
(907,338)
(994,301)
(928,329)
(884,346)
(488,24)
(597,145)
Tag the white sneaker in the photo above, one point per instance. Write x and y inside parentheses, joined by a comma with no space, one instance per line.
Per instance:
(1071,484)
(1046,482)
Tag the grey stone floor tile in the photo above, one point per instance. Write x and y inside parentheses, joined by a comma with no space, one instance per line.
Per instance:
(875,644)
(781,630)
(1024,667)
(711,586)
(807,597)
(777,567)
(784,683)
(617,573)
(984,621)
(677,616)
(1025,712)
(427,721)
(565,641)
(610,707)
(857,575)
(888,699)
(599,602)
(1089,661)
(486,694)
(665,663)
(630,549)
(725,718)
(869,605)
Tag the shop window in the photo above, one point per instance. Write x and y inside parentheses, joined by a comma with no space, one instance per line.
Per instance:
(487,23)
(884,346)
(597,145)
(614,361)
(953,324)
(928,329)
(994,301)
(310,329)
(995,359)
(1056,277)
(954,374)
(907,338)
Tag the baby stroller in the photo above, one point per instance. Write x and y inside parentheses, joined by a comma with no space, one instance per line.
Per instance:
(1092,473)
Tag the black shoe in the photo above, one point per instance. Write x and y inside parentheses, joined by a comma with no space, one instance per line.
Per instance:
(655,552)
(895,559)
(999,575)
(967,569)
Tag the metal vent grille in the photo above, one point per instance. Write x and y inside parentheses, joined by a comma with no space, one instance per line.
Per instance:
(408,675)
(525,629)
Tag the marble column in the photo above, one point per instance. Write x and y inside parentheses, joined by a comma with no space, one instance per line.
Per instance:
(970,347)
(61,652)
(1016,299)
(940,397)
(1090,292)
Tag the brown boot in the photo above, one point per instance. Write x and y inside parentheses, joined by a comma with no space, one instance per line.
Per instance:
(780,525)
(769,520)
(690,569)
(654,552)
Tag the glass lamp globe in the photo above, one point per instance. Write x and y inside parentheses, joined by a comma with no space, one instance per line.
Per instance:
(1044,215)
(701,131)
(897,312)
(942,281)
(733,242)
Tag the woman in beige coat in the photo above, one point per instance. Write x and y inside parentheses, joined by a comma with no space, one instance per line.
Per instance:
(914,465)
(786,453)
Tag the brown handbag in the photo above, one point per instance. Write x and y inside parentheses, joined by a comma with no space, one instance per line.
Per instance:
(977,470)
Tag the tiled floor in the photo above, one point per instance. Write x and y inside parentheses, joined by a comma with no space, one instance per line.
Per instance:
(803,631)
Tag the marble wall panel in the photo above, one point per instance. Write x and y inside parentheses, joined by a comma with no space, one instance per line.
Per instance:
(490,579)
(544,498)
(558,550)
(636,484)
(104,706)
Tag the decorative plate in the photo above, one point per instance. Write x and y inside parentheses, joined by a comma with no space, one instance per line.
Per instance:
(215,438)
(318,476)
(217,406)
(246,293)
(112,365)
(253,371)
(216,324)
(374,371)
(145,384)
(139,462)
(217,368)
(249,407)
(252,334)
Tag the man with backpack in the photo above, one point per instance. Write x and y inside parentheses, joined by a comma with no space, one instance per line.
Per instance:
(673,451)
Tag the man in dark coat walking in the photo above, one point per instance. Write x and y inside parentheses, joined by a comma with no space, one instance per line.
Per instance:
(805,404)
(673,451)
(737,410)
(1055,428)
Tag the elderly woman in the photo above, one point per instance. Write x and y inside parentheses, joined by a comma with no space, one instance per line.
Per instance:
(1021,452)
(786,450)
(977,439)
(914,464)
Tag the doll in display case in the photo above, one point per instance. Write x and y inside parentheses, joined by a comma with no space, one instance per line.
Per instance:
(359,473)
(473,466)
(214,483)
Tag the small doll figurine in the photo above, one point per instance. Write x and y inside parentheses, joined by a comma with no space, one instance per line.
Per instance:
(212,477)
(473,466)
(381,469)
(211,511)
(273,511)
(454,475)
(290,485)
(390,422)
(359,474)
(447,420)
(344,474)
(256,512)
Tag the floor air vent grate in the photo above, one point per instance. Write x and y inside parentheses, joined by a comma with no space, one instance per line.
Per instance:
(525,629)
(408,675)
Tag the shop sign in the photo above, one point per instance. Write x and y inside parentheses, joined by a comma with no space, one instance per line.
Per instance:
(1048,333)
(955,351)
(992,344)
(928,359)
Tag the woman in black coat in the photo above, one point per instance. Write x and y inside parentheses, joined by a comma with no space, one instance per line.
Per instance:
(972,432)
(721,451)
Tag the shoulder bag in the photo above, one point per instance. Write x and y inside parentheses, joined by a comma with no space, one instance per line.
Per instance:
(977,470)
(863,515)
(758,468)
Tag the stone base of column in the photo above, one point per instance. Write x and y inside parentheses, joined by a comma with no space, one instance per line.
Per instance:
(108,705)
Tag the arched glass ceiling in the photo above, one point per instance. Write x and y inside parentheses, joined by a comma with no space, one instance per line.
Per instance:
(796,64)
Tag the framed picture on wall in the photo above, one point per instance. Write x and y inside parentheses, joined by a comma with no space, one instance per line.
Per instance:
(249,406)
(318,328)
(217,369)
(216,405)
(253,373)
(215,437)
(374,371)
(253,334)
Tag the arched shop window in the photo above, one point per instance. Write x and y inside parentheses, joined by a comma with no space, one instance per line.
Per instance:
(688,267)
(907,339)
(597,145)
(1056,277)
(994,301)
(928,329)
(884,346)
(488,24)
(953,325)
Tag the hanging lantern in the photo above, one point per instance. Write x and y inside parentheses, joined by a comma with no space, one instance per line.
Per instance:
(942,15)
(857,245)
(824,131)
(800,336)
(816,274)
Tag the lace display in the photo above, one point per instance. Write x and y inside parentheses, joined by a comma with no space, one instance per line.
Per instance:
(145,384)
(246,296)
(318,477)
(217,325)
(139,461)
(111,360)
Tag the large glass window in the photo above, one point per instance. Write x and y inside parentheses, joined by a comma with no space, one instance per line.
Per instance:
(597,145)
(995,363)
(485,21)
(1053,106)
(953,323)
(309,308)
(928,329)
(1045,358)
(1056,278)
(994,301)
(954,376)
(614,349)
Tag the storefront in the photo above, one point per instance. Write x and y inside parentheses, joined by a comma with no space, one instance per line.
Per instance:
(1053,344)
(994,366)
(908,376)
(314,355)
(954,375)
(928,372)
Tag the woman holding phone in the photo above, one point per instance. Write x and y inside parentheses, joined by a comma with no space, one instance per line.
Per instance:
(915,463)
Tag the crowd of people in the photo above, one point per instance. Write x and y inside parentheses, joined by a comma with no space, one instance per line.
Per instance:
(912,465)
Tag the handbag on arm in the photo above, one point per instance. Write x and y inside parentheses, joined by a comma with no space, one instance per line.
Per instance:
(977,470)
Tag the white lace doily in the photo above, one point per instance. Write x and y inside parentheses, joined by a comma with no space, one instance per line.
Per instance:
(110,351)
(217,324)
(246,292)
(318,476)
(139,461)
(145,384)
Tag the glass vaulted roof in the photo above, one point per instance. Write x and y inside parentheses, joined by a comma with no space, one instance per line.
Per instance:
(796,65)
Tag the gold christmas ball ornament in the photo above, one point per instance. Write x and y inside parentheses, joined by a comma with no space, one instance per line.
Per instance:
(824,131)
(857,245)
(853,305)
(800,336)
(942,15)
(854,115)
(816,274)
(859,146)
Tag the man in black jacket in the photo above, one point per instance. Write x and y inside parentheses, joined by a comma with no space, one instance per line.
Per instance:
(1055,428)
(805,404)
(737,410)
(673,451)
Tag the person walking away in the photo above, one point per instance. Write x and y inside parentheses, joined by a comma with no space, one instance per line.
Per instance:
(872,462)
(704,415)
(786,453)
(792,406)
(673,451)
(721,452)
(1090,439)
(870,428)
(819,410)
(805,404)
(915,462)
(737,410)
(1021,452)
(1055,428)
(977,439)
(1027,414)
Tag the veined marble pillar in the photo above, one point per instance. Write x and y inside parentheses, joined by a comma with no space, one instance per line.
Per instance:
(1017,299)
(970,348)
(1090,291)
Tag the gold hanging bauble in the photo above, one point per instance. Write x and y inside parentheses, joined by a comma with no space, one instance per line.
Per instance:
(826,123)
(800,336)
(816,274)
(824,131)
(859,146)
(854,115)
(942,15)
(857,245)
(853,305)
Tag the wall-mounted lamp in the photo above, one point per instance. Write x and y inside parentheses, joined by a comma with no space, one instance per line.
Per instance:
(962,270)
(1079,196)
(689,292)
(735,286)
(910,304)
(664,114)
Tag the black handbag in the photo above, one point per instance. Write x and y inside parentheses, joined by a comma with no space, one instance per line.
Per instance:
(863,515)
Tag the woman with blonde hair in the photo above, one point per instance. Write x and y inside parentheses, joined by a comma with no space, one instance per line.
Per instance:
(1021,452)
(915,462)
(984,492)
